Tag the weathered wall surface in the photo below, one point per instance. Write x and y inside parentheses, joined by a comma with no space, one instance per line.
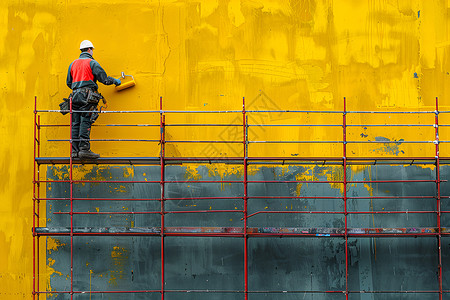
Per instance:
(304,54)
(275,264)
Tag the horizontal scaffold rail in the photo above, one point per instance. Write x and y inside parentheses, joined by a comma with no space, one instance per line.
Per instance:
(250,160)
(239,231)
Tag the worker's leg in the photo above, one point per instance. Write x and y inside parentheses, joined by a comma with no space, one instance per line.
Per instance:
(85,134)
(76,122)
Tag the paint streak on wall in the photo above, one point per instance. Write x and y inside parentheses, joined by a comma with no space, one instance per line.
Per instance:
(334,174)
(119,259)
(52,245)
(307,175)
(192,173)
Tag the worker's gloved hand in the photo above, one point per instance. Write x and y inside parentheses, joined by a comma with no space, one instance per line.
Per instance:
(117,81)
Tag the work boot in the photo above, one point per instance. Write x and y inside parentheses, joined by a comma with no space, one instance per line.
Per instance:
(87,154)
(74,154)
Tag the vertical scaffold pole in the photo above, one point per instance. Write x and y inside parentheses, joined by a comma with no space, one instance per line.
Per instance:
(38,201)
(71,201)
(34,198)
(245,148)
(438,195)
(162,185)
(344,165)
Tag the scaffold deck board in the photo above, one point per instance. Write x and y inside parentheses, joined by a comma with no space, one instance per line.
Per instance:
(238,230)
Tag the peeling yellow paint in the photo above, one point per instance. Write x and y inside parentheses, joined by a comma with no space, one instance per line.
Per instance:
(50,271)
(128,172)
(51,262)
(53,244)
(192,173)
(369,188)
(120,189)
(60,172)
(306,175)
(284,170)
(252,170)
(334,174)
(119,258)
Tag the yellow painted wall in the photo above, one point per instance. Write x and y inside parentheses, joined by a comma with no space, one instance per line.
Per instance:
(207,55)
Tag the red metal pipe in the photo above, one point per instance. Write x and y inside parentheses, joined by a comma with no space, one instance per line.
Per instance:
(337,159)
(107,199)
(294,197)
(438,197)
(34,200)
(202,158)
(288,161)
(71,201)
(391,181)
(39,137)
(339,212)
(204,211)
(38,202)
(393,212)
(342,235)
(144,212)
(179,234)
(142,199)
(393,197)
(294,181)
(240,181)
(248,197)
(331,197)
(344,157)
(254,292)
(205,198)
(108,213)
(99,292)
(162,185)
(245,179)
(100,181)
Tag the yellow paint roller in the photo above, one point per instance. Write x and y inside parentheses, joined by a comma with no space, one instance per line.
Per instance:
(127,81)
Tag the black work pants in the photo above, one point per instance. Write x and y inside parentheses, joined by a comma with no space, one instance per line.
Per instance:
(81,131)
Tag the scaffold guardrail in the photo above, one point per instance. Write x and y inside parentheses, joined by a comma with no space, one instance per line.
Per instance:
(245,232)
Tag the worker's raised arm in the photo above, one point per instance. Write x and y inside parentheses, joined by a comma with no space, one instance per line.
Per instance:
(100,74)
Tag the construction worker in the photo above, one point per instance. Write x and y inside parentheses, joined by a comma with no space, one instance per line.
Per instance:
(82,78)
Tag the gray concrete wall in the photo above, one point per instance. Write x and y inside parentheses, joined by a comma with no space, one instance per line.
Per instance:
(275,264)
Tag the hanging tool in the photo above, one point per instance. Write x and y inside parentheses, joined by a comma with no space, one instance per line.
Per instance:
(126,82)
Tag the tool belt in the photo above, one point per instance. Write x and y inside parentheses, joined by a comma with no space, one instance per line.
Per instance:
(64,106)
(82,98)
(94,98)
(87,96)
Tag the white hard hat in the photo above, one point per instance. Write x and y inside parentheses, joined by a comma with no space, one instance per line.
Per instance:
(86,44)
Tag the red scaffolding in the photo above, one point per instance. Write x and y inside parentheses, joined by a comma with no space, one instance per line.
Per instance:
(245,232)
